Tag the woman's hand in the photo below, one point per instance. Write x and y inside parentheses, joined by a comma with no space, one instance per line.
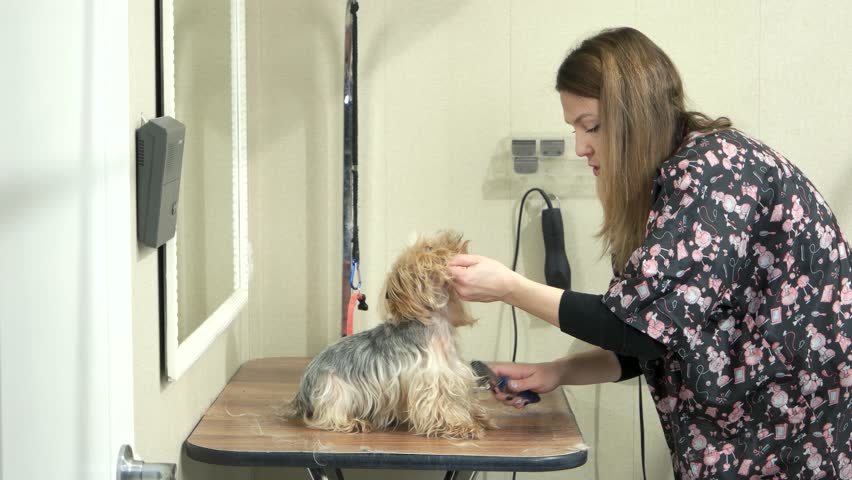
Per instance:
(481,279)
(538,377)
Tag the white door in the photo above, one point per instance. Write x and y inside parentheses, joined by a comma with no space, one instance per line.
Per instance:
(66,378)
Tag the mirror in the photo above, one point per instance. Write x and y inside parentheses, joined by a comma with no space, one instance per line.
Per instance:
(206,264)
(203,101)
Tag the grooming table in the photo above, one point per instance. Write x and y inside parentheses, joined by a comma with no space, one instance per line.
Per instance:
(243,428)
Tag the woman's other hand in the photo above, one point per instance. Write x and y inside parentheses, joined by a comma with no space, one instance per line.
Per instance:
(538,377)
(481,279)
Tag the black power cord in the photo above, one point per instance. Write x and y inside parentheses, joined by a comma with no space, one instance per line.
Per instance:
(557,273)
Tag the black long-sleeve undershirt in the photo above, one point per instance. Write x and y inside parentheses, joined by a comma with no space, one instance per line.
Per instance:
(629,367)
(584,316)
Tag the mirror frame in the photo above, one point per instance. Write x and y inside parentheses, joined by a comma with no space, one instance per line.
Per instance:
(180,356)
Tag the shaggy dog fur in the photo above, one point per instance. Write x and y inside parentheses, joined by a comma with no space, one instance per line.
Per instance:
(406,370)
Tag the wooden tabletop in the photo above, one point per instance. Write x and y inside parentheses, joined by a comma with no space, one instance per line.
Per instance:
(244,427)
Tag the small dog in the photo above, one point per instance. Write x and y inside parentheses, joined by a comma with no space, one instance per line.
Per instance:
(406,370)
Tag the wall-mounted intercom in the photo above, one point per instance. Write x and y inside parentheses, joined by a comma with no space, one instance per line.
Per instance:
(159,155)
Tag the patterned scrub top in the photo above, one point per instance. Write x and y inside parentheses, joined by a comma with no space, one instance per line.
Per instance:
(745,276)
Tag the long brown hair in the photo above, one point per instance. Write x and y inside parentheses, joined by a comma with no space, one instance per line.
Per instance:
(643,121)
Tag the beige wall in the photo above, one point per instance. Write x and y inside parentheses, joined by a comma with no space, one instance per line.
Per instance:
(294,145)
(444,85)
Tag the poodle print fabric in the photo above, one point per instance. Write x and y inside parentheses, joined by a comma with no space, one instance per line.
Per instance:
(745,276)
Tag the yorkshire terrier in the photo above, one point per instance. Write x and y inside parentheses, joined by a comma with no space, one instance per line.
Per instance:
(407,370)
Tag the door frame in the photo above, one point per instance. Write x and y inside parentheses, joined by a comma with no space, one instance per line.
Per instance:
(112,68)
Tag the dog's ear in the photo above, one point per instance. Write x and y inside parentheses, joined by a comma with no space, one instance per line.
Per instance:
(419,282)
(412,296)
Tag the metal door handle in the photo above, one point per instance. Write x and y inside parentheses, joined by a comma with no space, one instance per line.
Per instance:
(130,469)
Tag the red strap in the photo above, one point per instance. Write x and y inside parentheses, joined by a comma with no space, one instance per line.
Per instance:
(353,300)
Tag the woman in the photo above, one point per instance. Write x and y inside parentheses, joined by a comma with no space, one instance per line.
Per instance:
(732,290)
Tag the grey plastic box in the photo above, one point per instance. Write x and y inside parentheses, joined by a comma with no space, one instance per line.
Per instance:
(159,157)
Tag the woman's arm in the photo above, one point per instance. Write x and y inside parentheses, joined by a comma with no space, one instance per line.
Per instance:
(586,368)
(535,298)
(590,367)
(482,279)
(580,315)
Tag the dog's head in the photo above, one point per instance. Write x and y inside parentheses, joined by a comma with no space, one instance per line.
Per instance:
(420,284)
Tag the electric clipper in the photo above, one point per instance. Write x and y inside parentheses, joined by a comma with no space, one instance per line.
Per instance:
(557,271)
(487,377)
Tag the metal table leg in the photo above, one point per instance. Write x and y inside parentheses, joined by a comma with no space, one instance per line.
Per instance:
(458,475)
(319,474)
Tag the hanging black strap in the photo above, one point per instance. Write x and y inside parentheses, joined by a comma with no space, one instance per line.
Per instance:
(356,248)
(355,266)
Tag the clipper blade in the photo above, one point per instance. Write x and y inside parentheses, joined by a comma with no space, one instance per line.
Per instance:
(486,377)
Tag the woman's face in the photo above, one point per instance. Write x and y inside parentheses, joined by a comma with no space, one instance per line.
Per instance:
(582,113)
